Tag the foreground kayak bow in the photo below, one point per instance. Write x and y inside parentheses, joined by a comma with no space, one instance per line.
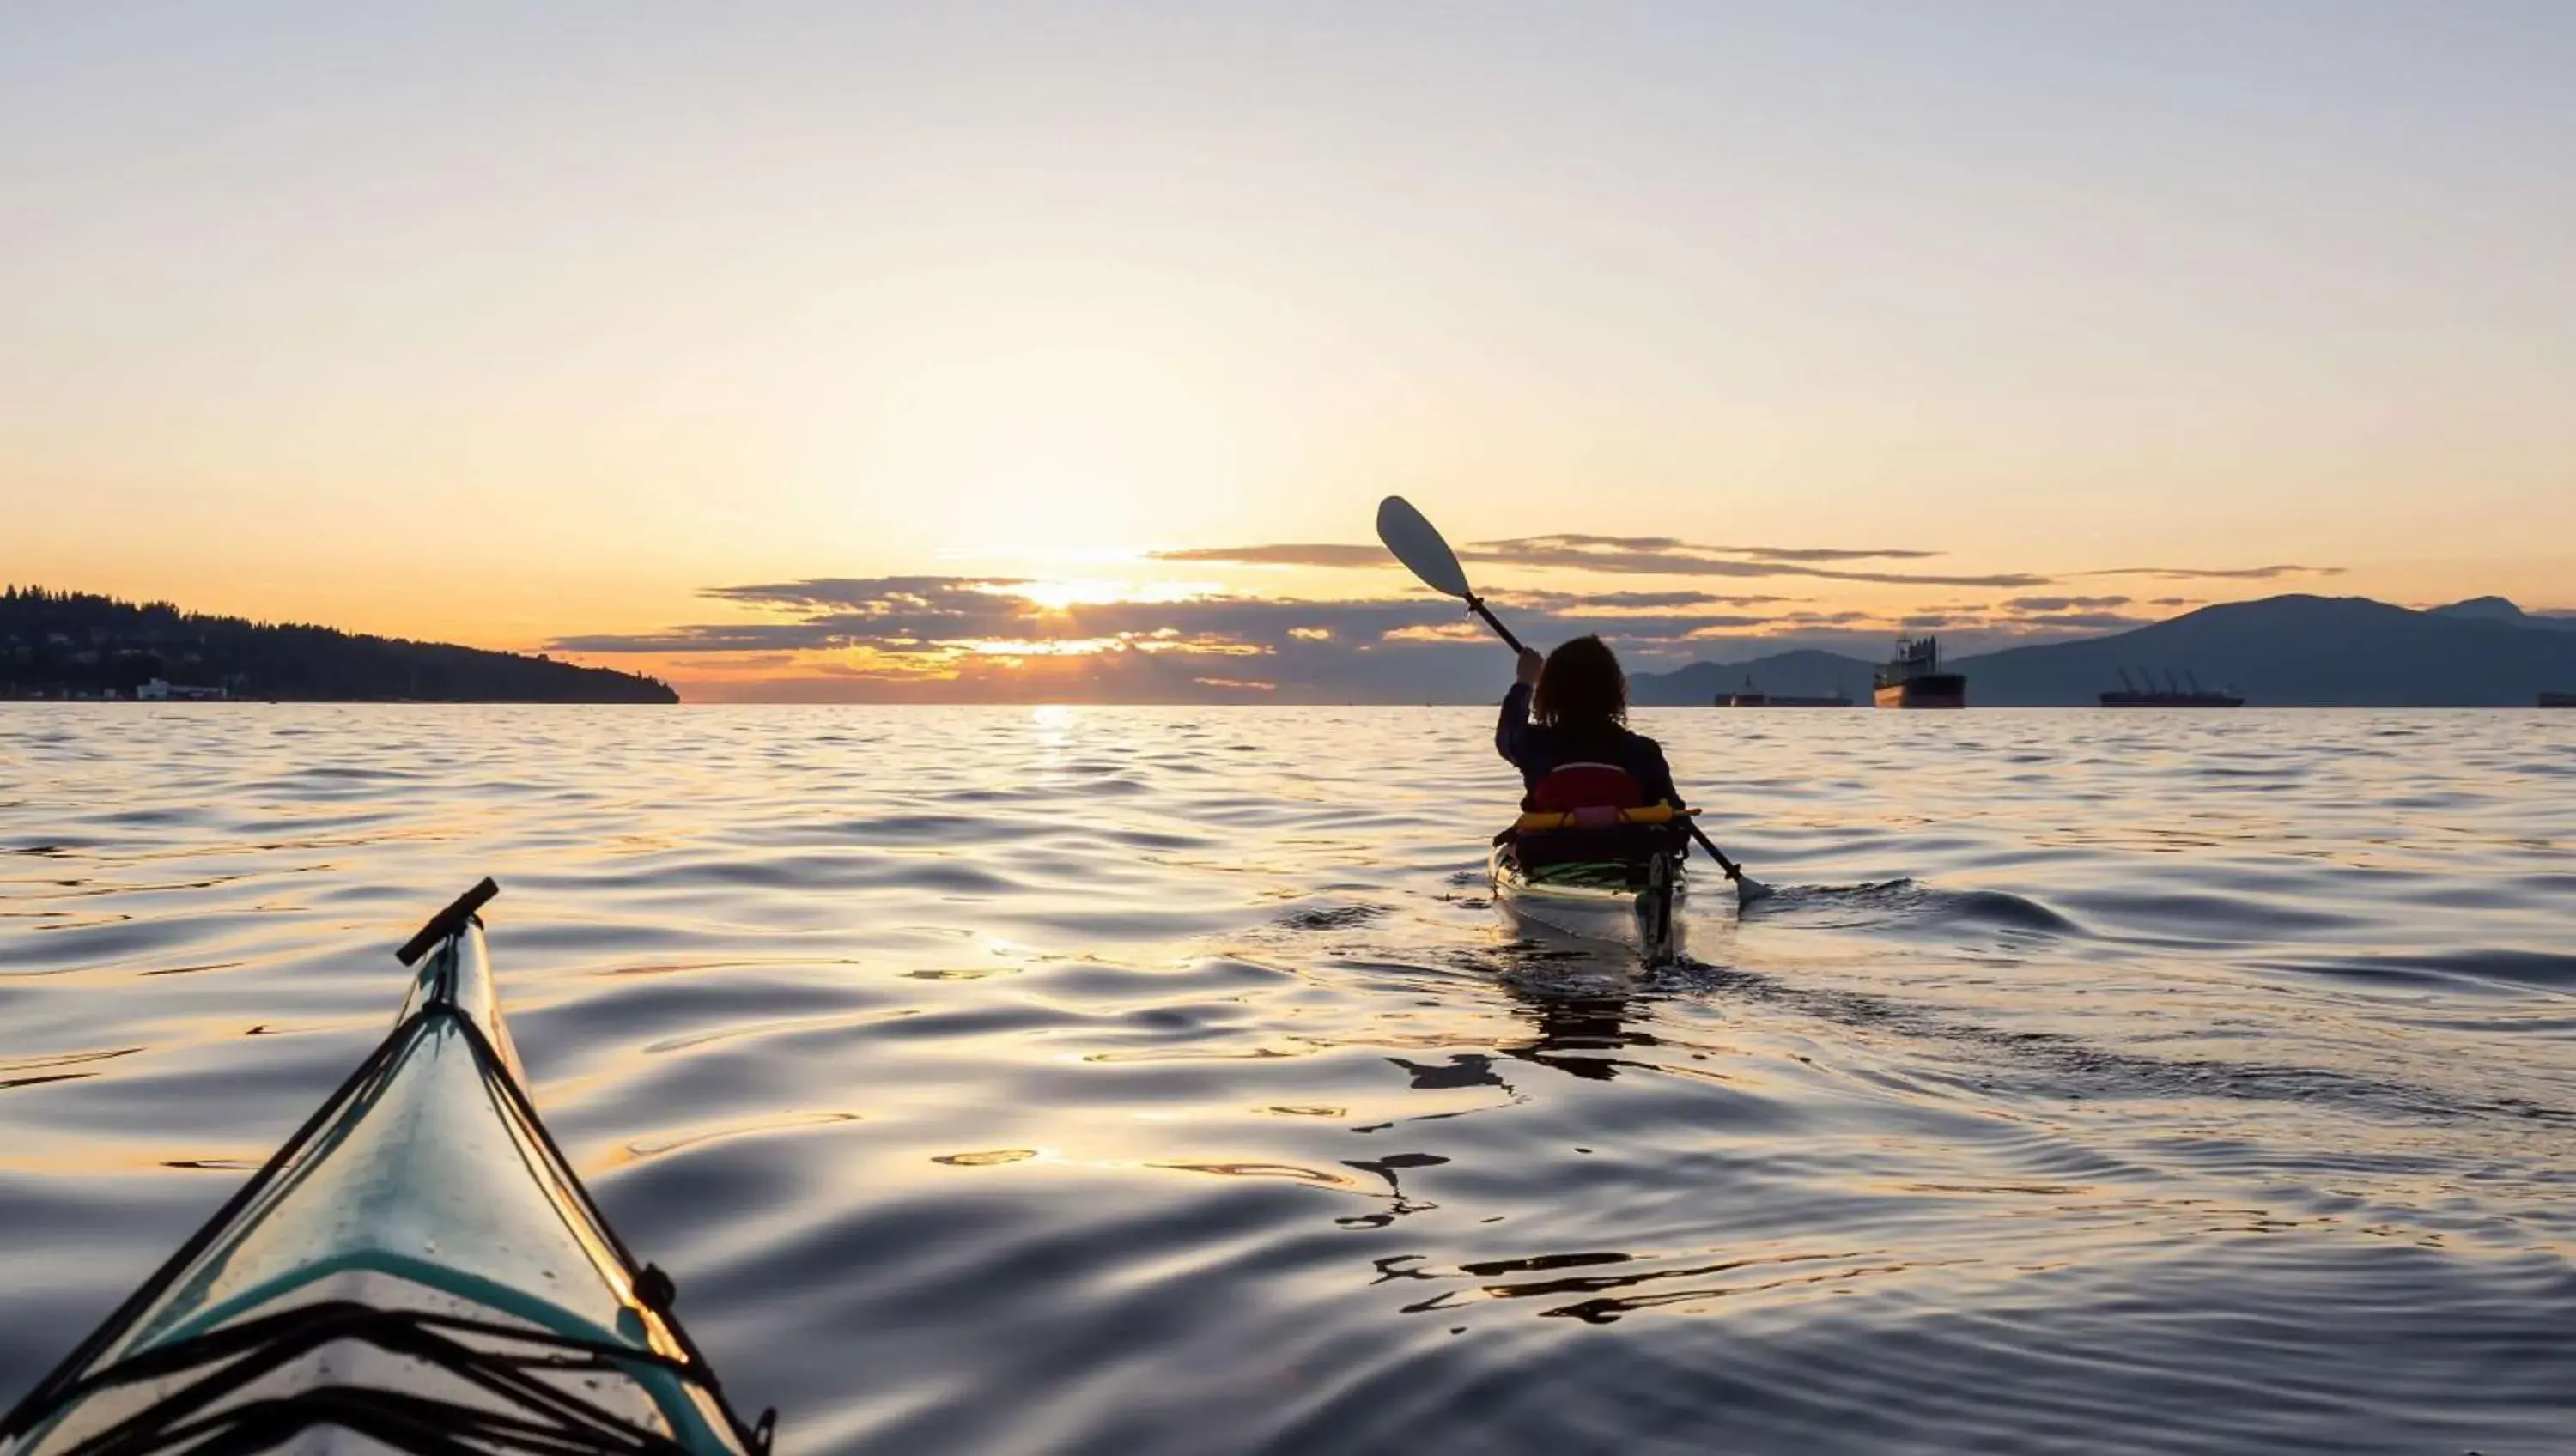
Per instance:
(416,1269)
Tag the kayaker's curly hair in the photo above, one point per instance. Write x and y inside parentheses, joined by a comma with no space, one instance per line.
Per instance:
(1581,689)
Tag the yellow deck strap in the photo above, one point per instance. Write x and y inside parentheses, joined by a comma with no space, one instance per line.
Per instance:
(1535,823)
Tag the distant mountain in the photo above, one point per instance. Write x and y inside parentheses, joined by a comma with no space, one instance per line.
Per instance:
(75,644)
(2500,609)
(2300,650)
(2282,651)
(1803,673)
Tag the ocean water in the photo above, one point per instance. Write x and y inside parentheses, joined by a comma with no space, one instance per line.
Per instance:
(1163,1081)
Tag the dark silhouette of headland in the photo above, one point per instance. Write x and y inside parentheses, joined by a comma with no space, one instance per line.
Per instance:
(81,645)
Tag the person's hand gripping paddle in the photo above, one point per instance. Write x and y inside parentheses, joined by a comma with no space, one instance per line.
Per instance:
(1417,543)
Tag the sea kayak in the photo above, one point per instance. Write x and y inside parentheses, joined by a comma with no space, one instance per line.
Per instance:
(1634,904)
(417,1269)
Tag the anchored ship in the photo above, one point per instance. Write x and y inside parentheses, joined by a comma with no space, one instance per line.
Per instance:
(2558,700)
(1914,679)
(2171,695)
(1754,697)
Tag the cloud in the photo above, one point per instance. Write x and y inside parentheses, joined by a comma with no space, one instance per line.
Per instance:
(1623,555)
(1570,553)
(2201,573)
(1823,553)
(1288,554)
(1561,601)
(756,662)
(1581,542)
(993,616)
(1672,546)
(1015,639)
(1672,556)
(2060,604)
(2084,621)
(893,613)
(763,637)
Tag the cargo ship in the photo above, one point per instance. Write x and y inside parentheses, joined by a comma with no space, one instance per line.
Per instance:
(2558,700)
(1754,697)
(2171,695)
(1914,679)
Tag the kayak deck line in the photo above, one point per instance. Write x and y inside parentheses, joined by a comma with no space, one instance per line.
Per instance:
(417,1267)
(241,1354)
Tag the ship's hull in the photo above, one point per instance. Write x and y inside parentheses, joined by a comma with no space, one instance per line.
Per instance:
(1930,690)
(2558,700)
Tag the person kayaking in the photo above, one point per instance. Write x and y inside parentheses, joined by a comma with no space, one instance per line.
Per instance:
(1541,747)
(1564,725)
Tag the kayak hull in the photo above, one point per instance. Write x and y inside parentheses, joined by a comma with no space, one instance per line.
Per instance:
(417,1265)
(1645,922)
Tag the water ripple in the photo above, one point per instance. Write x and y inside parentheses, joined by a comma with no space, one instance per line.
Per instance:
(1163,1080)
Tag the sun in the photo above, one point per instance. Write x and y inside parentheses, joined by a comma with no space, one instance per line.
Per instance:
(1055,596)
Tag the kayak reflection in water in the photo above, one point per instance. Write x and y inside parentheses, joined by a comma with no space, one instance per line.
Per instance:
(1565,727)
(1578,1035)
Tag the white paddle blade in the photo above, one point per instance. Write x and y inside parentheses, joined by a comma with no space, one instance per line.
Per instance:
(1416,543)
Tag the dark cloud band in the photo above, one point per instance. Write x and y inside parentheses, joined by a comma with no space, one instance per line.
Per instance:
(2204,573)
(1284,554)
(2064,604)
(1671,556)
(1621,556)
(917,614)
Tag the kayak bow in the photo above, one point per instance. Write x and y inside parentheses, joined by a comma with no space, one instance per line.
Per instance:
(418,1268)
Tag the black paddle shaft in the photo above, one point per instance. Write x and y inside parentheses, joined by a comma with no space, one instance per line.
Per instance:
(447,922)
(1477,605)
(1733,870)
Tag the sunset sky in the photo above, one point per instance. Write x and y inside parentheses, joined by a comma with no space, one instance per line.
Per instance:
(838,351)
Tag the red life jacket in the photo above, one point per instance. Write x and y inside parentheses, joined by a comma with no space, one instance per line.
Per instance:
(1575,786)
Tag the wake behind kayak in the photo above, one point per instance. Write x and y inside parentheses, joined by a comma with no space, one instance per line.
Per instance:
(417,1269)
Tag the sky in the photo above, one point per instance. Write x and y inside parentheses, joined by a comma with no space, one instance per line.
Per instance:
(1063,351)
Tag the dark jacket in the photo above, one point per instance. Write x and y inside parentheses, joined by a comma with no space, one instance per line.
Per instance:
(1538,751)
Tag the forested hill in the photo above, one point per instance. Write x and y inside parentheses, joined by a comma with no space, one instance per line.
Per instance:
(78,644)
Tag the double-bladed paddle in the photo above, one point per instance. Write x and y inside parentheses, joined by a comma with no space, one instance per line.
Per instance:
(1418,544)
